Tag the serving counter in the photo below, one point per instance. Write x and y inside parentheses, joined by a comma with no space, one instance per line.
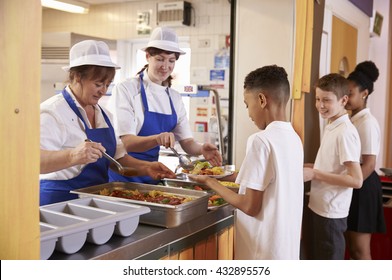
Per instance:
(207,237)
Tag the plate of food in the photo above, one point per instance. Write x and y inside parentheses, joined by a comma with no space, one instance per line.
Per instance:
(205,168)
(230,185)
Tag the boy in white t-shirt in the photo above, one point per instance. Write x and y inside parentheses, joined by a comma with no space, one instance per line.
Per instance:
(335,173)
(270,199)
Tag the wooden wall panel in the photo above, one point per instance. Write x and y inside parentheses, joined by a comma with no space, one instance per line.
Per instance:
(200,250)
(223,244)
(20,70)
(186,254)
(217,246)
(211,249)
(302,62)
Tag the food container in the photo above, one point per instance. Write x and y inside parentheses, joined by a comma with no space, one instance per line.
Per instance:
(66,226)
(163,215)
(187,184)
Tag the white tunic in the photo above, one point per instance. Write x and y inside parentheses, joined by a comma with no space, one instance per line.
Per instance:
(340,143)
(62,129)
(128,111)
(273,164)
(369,132)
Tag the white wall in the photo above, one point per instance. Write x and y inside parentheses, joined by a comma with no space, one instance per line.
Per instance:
(264,36)
(117,21)
(378,52)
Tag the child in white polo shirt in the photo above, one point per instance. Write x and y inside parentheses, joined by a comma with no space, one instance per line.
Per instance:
(335,173)
(269,203)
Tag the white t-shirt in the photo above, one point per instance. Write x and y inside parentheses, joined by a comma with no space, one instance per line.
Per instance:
(273,164)
(128,111)
(62,129)
(369,132)
(340,143)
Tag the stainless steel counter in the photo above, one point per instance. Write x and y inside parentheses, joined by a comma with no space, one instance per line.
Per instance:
(150,242)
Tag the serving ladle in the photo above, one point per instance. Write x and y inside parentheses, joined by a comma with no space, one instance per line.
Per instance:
(185,161)
(126,171)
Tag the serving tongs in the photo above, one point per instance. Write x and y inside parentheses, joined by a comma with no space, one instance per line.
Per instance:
(118,165)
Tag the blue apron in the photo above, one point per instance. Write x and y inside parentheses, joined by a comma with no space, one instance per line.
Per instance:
(96,173)
(154,123)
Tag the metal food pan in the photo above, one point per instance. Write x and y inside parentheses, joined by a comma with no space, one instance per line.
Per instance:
(178,183)
(163,215)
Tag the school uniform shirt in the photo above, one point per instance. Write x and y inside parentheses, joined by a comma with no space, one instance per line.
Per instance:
(340,143)
(369,132)
(128,111)
(61,129)
(273,164)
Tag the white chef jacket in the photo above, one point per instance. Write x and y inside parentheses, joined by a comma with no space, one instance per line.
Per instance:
(340,143)
(62,129)
(369,132)
(128,111)
(273,164)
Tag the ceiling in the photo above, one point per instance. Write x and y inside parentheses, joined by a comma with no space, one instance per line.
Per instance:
(99,2)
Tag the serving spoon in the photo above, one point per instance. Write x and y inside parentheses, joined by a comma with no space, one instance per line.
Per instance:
(185,161)
(126,171)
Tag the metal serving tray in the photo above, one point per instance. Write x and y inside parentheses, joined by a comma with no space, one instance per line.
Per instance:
(163,215)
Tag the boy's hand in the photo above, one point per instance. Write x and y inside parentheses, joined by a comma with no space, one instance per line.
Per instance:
(308,174)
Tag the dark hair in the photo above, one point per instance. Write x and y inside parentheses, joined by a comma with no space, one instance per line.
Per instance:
(92,72)
(272,79)
(364,75)
(335,83)
(155,51)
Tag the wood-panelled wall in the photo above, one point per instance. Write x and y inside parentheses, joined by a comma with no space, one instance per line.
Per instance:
(20,68)
(309,19)
(218,246)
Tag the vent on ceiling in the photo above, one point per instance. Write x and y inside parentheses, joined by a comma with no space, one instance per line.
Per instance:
(54,53)
(174,13)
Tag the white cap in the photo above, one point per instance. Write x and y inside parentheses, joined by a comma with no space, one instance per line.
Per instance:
(164,38)
(90,52)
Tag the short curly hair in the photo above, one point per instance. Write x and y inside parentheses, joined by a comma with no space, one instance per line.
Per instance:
(272,80)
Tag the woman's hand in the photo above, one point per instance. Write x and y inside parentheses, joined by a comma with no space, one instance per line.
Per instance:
(211,153)
(157,171)
(165,139)
(87,152)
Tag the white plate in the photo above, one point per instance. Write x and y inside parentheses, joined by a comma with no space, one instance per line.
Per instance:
(226,173)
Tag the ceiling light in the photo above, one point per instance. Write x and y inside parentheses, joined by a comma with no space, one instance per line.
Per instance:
(66,5)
